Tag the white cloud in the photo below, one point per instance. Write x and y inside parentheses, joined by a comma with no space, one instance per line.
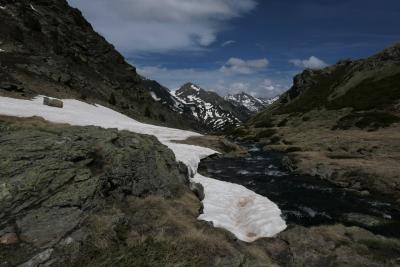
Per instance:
(240,66)
(228,43)
(161,25)
(311,63)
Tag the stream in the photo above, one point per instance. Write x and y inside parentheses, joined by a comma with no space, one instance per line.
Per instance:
(304,200)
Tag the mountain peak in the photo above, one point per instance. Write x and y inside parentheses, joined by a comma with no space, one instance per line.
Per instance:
(189,87)
(253,104)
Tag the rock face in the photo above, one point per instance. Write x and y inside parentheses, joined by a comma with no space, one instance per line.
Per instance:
(48,48)
(210,109)
(53,177)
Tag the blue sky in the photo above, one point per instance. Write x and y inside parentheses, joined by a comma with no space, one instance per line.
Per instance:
(229,46)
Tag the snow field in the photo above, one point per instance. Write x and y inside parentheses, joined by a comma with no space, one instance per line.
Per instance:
(233,207)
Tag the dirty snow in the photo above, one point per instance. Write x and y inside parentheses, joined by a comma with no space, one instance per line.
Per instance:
(246,214)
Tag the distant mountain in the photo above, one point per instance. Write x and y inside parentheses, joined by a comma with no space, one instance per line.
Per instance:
(208,108)
(253,104)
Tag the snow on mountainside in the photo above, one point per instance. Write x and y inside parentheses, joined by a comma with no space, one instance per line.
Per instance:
(209,108)
(250,102)
(233,207)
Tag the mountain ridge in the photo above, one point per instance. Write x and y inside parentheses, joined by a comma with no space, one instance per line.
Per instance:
(48,48)
(253,104)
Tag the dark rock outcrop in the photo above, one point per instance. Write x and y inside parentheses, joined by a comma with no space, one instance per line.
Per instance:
(53,176)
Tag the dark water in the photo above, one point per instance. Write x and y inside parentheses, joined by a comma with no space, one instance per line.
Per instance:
(304,200)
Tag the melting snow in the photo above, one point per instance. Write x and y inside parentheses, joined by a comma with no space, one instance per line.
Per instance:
(230,206)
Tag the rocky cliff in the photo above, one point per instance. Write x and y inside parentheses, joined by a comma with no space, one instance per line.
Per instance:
(47,47)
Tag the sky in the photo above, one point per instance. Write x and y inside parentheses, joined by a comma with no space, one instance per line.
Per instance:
(229,46)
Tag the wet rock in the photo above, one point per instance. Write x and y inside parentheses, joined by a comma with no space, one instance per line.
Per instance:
(288,164)
(198,190)
(364,220)
(11,87)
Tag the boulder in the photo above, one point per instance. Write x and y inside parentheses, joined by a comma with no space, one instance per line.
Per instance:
(52,102)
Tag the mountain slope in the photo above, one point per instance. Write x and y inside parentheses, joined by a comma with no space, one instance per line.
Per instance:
(210,109)
(253,104)
(47,47)
(367,84)
(340,123)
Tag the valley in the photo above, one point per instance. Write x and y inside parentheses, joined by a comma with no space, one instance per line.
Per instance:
(104,164)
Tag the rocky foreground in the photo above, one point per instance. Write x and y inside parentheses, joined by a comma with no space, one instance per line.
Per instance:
(96,197)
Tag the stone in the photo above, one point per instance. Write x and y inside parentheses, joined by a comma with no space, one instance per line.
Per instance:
(364,220)
(9,239)
(53,102)
(198,190)
(39,259)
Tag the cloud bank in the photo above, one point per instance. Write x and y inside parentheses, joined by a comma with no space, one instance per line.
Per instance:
(239,66)
(135,26)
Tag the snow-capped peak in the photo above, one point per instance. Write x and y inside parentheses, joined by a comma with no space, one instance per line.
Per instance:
(250,102)
(207,107)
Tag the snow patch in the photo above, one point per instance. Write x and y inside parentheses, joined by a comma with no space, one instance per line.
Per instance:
(233,207)
(154,96)
(241,211)
(194,87)
(3,7)
(2,51)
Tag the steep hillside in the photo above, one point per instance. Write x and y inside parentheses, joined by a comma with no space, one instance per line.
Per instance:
(47,47)
(368,84)
(253,104)
(210,109)
(340,123)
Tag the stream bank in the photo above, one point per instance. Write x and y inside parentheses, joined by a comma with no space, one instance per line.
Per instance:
(304,200)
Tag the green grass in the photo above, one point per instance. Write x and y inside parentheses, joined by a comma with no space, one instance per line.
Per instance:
(370,94)
(317,95)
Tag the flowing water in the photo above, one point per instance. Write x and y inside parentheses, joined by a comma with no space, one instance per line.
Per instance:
(304,200)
